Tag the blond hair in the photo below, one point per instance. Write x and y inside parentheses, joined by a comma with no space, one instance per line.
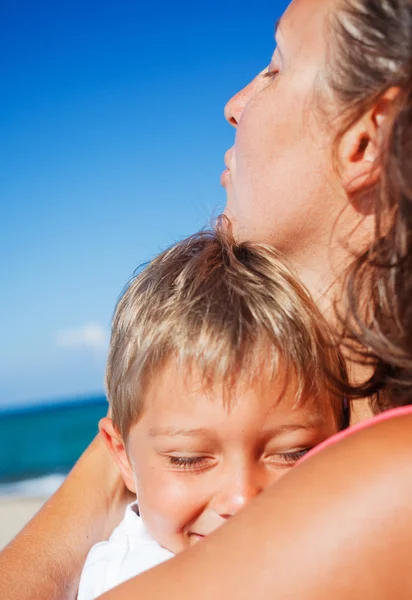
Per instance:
(222,307)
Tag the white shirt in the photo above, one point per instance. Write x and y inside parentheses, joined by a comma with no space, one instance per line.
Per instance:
(129,551)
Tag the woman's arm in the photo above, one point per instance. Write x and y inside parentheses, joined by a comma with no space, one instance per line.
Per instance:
(338,527)
(45,560)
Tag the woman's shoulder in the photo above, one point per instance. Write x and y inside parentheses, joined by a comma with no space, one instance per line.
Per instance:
(366,470)
(351,502)
(390,427)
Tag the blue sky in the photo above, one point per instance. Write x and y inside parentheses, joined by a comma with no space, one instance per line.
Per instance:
(112,129)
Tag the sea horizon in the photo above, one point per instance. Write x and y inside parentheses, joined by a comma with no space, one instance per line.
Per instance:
(40,442)
(50,402)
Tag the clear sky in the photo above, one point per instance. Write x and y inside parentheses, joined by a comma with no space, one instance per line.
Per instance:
(112,144)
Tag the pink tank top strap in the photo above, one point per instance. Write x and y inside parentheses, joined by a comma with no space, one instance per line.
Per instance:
(385,416)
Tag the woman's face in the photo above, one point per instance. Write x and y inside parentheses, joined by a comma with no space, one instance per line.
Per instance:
(280,182)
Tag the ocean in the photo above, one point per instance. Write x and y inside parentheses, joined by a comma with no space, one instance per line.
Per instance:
(40,444)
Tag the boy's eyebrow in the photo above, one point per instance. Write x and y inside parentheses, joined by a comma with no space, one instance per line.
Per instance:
(172,431)
(311,423)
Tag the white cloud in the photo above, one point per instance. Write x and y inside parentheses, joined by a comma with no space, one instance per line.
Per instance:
(90,335)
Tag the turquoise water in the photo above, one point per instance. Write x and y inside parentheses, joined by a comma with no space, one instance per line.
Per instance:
(47,439)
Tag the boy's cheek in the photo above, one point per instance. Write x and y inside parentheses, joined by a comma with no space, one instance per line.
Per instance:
(168,509)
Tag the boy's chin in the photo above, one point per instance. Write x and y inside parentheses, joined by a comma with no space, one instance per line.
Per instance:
(194,538)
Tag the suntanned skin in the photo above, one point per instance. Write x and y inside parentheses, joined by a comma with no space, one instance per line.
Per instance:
(339,526)
(336,527)
(46,559)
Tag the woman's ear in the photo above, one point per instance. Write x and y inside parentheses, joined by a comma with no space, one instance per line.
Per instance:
(362,145)
(117,449)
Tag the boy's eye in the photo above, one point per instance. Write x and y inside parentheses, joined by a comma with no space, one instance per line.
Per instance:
(193,463)
(289,458)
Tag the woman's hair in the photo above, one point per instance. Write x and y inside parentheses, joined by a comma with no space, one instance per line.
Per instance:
(371,52)
(229,310)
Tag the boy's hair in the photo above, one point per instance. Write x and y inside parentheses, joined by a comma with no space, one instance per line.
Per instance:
(225,308)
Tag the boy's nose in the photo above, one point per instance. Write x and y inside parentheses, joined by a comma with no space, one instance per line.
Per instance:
(236,494)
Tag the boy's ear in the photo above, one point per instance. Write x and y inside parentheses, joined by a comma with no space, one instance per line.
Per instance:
(361,147)
(115,444)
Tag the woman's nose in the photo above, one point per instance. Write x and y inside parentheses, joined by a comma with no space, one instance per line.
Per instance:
(236,493)
(236,105)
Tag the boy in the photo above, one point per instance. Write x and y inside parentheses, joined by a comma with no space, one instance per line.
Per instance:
(217,379)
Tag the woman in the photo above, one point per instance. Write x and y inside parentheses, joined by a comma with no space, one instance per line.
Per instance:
(320,169)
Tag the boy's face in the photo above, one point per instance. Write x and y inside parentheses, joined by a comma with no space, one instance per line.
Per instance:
(195,462)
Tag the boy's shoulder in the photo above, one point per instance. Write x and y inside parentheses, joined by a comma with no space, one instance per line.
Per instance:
(129,551)
(130,533)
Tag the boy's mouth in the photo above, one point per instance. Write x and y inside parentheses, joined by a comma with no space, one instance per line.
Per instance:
(207,523)
(194,538)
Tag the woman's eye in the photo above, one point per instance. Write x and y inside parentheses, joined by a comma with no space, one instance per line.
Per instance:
(186,463)
(271,73)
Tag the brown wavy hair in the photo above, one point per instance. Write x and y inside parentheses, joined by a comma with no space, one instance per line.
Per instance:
(370,53)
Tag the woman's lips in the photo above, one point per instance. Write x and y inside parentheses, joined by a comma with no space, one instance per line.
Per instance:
(228,157)
(225,177)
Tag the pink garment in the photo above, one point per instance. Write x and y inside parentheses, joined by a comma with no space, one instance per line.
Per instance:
(389,414)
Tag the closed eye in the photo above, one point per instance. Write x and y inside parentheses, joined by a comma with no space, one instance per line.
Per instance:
(287,458)
(292,457)
(194,464)
(271,73)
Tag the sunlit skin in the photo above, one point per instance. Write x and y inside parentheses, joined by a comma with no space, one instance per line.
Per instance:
(281,545)
(195,462)
(282,182)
